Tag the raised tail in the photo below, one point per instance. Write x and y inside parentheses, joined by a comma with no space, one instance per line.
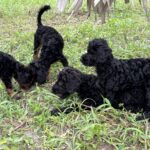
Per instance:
(41,11)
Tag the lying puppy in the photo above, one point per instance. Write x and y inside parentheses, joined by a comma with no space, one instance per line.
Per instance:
(121,81)
(71,80)
(48,40)
(9,68)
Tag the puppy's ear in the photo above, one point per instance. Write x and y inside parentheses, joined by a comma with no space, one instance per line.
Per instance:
(73,83)
(19,67)
(73,86)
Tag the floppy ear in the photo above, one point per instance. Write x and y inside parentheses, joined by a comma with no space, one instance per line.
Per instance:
(73,83)
(72,86)
(19,67)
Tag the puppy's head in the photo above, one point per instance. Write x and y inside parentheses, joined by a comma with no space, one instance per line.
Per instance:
(68,82)
(98,51)
(24,76)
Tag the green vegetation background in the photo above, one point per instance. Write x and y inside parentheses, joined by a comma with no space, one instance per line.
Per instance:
(26,123)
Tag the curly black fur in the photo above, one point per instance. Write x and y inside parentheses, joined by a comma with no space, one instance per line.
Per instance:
(49,40)
(37,70)
(71,80)
(40,68)
(9,68)
(51,44)
(121,81)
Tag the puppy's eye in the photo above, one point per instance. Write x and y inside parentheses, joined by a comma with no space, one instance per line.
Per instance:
(95,48)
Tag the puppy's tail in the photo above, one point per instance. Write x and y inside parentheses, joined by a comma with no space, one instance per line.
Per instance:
(40,13)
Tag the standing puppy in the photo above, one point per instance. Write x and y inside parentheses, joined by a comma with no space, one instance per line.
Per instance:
(48,40)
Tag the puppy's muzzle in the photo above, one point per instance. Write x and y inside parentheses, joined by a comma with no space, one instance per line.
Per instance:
(83,59)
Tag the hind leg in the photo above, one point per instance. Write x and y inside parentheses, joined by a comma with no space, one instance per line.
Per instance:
(8,84)
(64,61)
(37,47)
(48,75)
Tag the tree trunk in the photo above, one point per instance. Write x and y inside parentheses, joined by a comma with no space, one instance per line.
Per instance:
(126,1)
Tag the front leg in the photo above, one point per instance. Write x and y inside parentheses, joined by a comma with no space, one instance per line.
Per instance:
(63,60)
(72,108)
(8,84)
(37,48)
(147,108)
(146,113)
(66,110)
(112,98)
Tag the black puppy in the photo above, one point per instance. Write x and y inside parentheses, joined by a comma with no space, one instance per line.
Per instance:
(51,44)
(48,40)
(40,69)
(71,80)
(121,81)
(9,68)
(35,72)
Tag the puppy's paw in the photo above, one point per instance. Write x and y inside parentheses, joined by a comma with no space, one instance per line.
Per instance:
(139,118)
(145,115)
(55,112)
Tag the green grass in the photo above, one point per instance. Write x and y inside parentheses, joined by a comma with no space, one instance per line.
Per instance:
(27,124)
